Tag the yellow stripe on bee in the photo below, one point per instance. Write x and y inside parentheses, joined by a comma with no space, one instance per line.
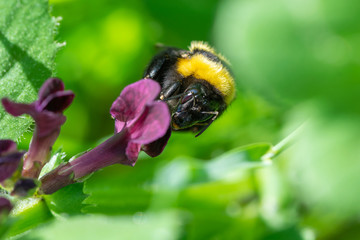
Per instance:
(214,73)
(206,47)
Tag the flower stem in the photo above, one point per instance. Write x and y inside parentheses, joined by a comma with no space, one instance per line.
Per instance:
(38,154)
(283,144)
(110,152)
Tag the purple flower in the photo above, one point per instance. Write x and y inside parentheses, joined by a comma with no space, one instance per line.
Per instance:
(47,112)
(128,107)
(5,208)
(9,158)
(24,187)
(139,121)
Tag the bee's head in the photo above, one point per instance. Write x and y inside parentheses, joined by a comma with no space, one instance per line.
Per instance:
(198,106)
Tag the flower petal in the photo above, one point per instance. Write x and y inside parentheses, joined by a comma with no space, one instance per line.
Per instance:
(57,102)
(133,99)
(9,164)
(152,124)
(132,153)
(48,122)
(119,126)
(7,146)
(155,148)
(5,206)
(49,87)
(47,113)
(17,109)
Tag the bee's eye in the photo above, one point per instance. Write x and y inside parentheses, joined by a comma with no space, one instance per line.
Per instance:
(187,98)
(191,94)
(194,91)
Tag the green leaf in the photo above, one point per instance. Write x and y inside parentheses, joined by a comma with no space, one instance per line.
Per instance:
(67,200)
(233,162)
(276,193)
(27,52)
(226,206)
(28,214)
(160,226)
(55,161)
(185,171)
(289,233)
(120,189)
(324,166)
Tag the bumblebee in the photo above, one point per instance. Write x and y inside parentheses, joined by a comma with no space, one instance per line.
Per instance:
(196,84)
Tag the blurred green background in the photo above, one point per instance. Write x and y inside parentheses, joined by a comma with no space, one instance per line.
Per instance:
(296,63)
(108,46)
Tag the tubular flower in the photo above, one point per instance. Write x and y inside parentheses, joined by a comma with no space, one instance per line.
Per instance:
(9,158)
(139,121)
(47,112)
(128,107)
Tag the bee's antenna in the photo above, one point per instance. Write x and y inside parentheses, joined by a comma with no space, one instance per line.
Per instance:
(159,45)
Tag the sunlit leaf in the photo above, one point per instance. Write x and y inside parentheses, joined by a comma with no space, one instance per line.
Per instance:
(28,214)
(160,226)
(27,52)
(54,161)
(66,201)
(239,159)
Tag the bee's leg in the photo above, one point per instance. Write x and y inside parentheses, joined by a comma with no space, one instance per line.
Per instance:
(154,68)
(216,114)
(168,93)
(161,62)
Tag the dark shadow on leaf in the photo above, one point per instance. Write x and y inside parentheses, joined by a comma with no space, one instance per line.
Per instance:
(35,71)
